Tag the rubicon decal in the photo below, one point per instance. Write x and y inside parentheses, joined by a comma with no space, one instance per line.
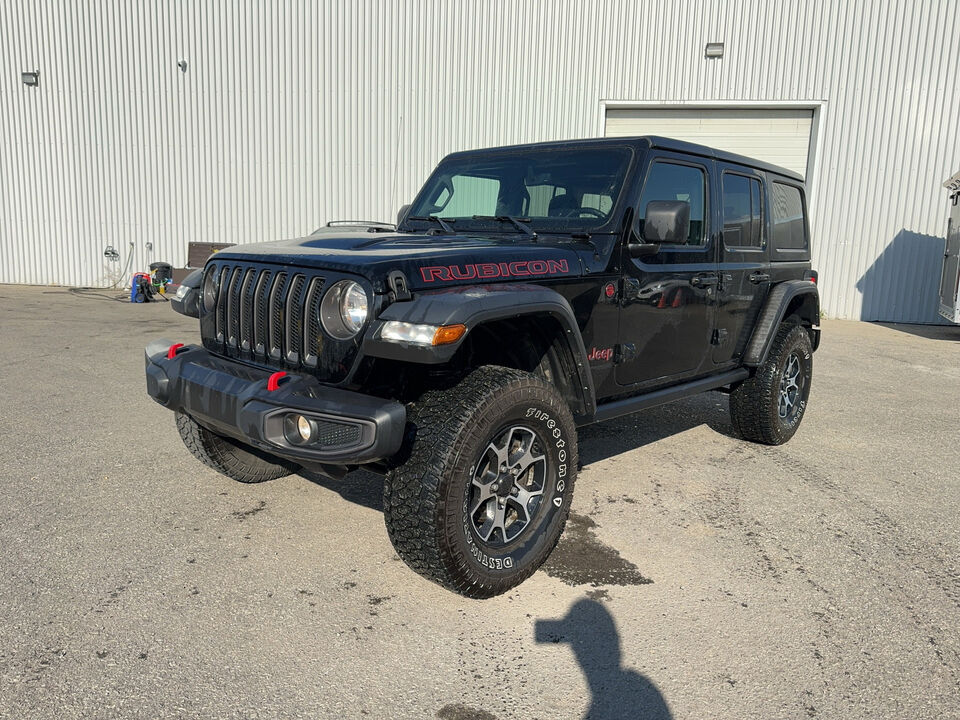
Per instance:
(483,271)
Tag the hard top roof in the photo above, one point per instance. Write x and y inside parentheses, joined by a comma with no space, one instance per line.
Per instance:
(646,142)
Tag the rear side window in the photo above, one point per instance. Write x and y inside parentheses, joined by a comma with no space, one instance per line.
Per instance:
(742,212)
(789,228)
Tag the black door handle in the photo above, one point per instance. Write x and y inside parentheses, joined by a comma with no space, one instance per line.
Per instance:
(704,280)
(759,277)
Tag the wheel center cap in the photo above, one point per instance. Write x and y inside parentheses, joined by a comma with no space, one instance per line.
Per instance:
(505,484)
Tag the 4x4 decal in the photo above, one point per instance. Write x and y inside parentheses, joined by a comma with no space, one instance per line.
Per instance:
(481,271)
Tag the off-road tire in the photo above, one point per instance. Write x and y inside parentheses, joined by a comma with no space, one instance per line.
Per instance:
(754,404)
(225,455)
(426,496)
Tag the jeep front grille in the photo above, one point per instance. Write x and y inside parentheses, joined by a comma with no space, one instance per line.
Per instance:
(267,316)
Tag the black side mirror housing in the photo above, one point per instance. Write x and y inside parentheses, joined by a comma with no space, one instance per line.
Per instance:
(667,222)
(187,299)
(402,214)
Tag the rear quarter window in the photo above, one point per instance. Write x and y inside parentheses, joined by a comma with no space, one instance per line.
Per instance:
(788,212)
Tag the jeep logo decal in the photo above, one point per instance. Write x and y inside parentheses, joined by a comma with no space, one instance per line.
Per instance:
(483,271)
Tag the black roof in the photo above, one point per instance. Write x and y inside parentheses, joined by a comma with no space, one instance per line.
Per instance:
(650,141)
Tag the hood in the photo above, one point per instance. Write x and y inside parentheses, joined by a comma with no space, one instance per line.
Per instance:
(428,261)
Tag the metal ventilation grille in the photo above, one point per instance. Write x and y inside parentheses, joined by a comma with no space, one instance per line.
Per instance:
(268,316)
(334,435)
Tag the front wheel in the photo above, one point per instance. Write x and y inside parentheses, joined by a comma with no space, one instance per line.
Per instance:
(769,406)
(485,485)
(225,455)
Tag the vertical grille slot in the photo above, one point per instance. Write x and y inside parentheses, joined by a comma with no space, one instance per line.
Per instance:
(293,337)
(311,323)
(275,317)
(260,310)
(233,307)
(246,309)
(221,311)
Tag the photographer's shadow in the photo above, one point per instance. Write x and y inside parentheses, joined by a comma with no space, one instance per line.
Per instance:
(616,692)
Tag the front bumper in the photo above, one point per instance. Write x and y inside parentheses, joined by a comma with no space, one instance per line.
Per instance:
(233,399)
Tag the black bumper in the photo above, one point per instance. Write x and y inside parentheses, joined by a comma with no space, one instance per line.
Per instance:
(232,399)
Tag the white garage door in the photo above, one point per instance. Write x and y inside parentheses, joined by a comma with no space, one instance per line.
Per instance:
(781,137)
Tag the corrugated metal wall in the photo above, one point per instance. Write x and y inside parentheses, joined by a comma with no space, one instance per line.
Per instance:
(291,114)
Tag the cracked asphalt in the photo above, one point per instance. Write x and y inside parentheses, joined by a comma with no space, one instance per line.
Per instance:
(700,576)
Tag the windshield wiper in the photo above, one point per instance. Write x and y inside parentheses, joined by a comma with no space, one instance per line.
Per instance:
(518,223)
(439,220)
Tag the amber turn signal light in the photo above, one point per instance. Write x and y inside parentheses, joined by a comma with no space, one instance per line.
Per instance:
(447,334)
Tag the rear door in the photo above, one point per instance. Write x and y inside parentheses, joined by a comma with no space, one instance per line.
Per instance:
(666,317)
(744,259)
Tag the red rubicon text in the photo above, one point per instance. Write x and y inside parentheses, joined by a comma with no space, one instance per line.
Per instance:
(484,271)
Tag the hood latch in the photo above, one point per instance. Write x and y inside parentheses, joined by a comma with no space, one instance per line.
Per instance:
(399,288)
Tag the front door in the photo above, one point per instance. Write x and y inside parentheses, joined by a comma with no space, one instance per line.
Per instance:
(744,259)
(669,297)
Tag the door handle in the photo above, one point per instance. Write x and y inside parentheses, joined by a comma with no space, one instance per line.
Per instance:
(758,277)
(704,280)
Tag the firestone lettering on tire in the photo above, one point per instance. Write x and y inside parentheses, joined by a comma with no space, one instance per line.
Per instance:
(561,445)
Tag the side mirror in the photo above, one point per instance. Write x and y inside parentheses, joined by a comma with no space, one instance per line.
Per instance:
(186,301)
(402,214)
(667,222)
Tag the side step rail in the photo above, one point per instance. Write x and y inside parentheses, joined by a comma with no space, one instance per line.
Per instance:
(618,408)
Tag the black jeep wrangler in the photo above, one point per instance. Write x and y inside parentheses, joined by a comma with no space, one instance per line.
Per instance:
(526,291)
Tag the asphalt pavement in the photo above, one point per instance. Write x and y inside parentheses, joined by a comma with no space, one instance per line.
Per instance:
(700,576)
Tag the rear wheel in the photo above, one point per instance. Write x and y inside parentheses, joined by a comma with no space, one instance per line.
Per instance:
(484,490)
(225,455)
(769,406)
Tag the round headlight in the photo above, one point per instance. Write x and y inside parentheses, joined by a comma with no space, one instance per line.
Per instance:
(210,287)
(343,310)
(353,306)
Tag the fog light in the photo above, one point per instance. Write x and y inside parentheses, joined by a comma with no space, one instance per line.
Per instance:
(305,428)
(299,430)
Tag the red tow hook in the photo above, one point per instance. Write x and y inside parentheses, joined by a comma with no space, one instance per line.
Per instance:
(172,351)
(273,382)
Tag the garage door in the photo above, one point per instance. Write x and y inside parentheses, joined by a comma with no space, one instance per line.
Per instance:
(781,137)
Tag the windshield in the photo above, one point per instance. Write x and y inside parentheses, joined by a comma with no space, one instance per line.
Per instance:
(561,190)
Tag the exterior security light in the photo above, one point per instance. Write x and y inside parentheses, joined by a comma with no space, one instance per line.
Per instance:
(30,78)
(714,50)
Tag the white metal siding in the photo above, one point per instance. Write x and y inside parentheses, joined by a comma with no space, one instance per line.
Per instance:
(294,113)
(781,137)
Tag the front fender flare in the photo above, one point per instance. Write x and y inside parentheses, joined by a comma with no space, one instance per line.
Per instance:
(474,305)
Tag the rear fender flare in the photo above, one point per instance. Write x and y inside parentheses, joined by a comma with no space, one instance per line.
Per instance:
(774,312)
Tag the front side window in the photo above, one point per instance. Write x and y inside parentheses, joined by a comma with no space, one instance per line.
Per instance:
(789,232)
(742,212)
(672,181)
(558,189)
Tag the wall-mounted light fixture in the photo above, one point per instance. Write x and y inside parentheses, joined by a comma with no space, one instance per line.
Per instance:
(30,78)
(182,64)
(714,50)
